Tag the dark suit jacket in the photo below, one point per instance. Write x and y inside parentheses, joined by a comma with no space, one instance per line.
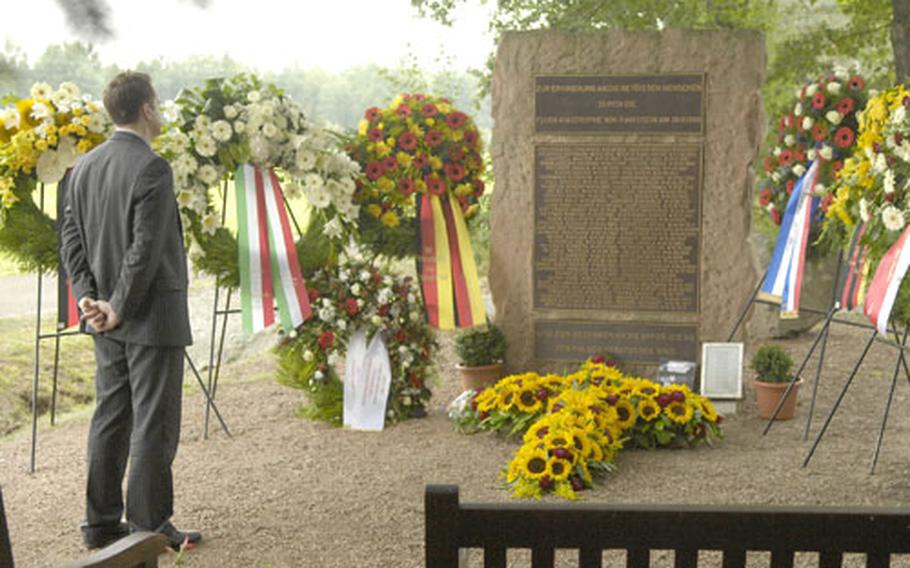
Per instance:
(122,241)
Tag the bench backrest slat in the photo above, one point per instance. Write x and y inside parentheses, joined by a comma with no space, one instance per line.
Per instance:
(638,529)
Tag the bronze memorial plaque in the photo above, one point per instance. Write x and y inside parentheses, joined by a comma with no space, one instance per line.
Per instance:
(605,104)
(634,342)
(617,227)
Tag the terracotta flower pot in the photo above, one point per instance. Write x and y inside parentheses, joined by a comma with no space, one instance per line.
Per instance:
(768,395)
(480,377)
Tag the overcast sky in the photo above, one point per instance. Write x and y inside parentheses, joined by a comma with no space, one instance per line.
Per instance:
(267,34)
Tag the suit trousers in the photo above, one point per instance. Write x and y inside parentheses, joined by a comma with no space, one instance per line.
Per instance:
(137,417)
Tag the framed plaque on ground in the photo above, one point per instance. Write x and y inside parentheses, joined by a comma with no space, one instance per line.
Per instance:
(722,370)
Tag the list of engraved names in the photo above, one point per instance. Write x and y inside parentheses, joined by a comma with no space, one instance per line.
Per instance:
(617,226)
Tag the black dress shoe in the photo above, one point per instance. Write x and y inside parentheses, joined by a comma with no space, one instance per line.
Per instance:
(99,536)
(176,539)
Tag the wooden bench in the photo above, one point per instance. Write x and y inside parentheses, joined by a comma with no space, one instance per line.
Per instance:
(138,550)
(638,529)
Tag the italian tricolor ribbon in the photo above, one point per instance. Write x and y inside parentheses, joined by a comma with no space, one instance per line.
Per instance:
(448,274)
(885,284)
(269,268)
(784,279)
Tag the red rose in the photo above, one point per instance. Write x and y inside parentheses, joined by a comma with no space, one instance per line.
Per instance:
(545,483)
(435,185)
(577,483)
(406,186)
(429,110)
(454,171)
(351,307)
(403,110)
(846,106)
(401,335)
(479,187)
(415,381)
(598,359)
(407,141)
(562,453)
(775,216)
(678,396)
(770,164)
(383,310)
(898,138)
(313,294)
(372,114)
(542,394)
(542,433)
(456,154)
(326,340)
(844,137)
(375,170)
(470,137)
(484,415)
(433,138)
(456,120)
(819,101)
(664,399)
(374,134)
(819,132)
(799,156)
(856,83)
(390,164)
(791,183)
(764,197)
(785,158)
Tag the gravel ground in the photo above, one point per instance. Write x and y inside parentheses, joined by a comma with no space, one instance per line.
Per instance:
(289,492)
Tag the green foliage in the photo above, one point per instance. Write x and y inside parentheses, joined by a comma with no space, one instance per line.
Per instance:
(772,363)
(479,346)
(29,236)
(394,243)
(325,398)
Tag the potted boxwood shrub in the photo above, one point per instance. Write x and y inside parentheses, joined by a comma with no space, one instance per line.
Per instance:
(480,352)
(772,365)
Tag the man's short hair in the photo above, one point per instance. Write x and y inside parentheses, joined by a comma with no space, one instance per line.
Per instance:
(125,95)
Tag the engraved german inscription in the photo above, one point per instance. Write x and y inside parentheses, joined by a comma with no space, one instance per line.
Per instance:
(629,341)
(617,227)
(620,104)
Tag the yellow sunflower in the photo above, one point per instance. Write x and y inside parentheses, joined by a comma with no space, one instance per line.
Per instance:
(526,401)
(532,464)
(707,410)
(506,400)
(647,389)
(678,412)
(648,409)
(558,469)
(625,414)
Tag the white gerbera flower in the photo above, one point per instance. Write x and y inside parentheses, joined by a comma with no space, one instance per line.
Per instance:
(270,130)
(807,122)
(10,118)
(799,170)
(864,210)
(811,154)
(833,87)
(789,140)
(879,164)
(834,117)
(811,89)
(308,356)
(333,228)
(889,182)
(776,152)
(798,109)
(230,112)
(207,174)
(893,218)
(206,146)
(356,289)
(253,97)
(341,324)
(184,198)
(40,111)
(826,152)
(41,91)
(96,123)
(899,114)
(221,130)
(185,165)
(239,127)
(305,159)
(70,90)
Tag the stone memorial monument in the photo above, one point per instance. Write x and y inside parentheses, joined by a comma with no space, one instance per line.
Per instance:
(621,211)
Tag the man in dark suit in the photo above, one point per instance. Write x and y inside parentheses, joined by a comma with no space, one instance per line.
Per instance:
(122,246)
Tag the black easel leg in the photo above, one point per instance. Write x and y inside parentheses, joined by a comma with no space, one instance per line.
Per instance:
(54,384)
(840,397)
(211,369)
(218,360)
(206,393)
(745,310)
(35,379)
(802,366)
(897,370)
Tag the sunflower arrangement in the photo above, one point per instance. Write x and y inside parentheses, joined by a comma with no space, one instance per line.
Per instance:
(598,407)
(354,295)
(873,188)
(821,125)
(419,144)
(40,139)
